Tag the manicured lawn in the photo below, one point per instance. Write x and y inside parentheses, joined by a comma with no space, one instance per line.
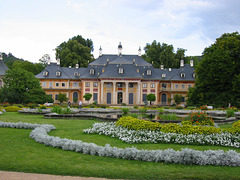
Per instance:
(20,153)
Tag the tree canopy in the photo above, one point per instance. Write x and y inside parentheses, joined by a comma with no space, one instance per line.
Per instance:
(218,74)
(76,50)
(21,86)
(163,54)
(151,98)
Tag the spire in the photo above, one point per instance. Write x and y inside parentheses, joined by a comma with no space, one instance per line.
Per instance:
(119,49)
(100,51)
(139,51)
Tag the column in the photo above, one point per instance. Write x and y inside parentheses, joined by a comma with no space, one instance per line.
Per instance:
(102,92)
(114,92)
(127,84)
(138,93)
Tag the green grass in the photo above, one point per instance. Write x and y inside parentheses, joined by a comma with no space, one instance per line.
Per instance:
(20,153)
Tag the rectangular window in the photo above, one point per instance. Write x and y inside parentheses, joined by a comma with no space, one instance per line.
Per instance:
(189,85)
(176,86)
(119,85)
(152,85)
(109,84)
(44,84)
(95,95)
(144,85)
(75,84)
(183,99)
(50,85)
(57,84)
(144,97)
(95,84)
(183,86)
(87,84)
(56,96)
(164,85)
(131,85)
(63,84)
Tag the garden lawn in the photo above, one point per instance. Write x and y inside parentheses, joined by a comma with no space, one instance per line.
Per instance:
(20,153)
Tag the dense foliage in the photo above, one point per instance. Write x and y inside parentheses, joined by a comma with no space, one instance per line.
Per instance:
(21,86)
(218,74)
(198,118)
(76,50)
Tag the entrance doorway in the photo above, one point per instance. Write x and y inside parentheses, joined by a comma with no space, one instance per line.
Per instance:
(109,98)
(119,97)
(130,98)
(164,99)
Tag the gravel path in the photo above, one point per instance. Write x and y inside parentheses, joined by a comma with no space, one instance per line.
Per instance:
(8,175)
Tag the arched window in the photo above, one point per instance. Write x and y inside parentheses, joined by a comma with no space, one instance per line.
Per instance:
(91,71)
(149,72)
(75,96)
(182,75)
(120,70)
(58,73)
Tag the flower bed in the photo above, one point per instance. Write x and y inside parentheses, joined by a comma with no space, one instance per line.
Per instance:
(148,136)
(185,156)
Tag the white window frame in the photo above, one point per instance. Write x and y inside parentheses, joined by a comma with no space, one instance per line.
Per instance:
(176,86)
(44,84)
(149,72)
(57,84)
(144,85)
(75,84)
(87,84)
(95,84)
(63,84)
(120,70)
(152,85)
(183,86)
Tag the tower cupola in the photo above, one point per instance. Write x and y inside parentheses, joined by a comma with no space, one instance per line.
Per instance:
(139,51)
(100,51)
(120,49)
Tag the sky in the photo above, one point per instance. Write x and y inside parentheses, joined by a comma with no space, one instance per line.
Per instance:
(31,28)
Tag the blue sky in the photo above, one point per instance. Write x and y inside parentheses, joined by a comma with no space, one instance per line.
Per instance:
(31,28)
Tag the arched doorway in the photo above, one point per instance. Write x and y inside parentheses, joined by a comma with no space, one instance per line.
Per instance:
(119,97)
(130,98)
(164,99)
(109,98)
(75,97)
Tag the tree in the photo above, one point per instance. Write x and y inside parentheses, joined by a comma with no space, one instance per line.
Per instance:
(21,86)
(87,97)
(163,54)
(35,68)
(218,74)
(177,99)
(76,50)
(62,97)
(151,97)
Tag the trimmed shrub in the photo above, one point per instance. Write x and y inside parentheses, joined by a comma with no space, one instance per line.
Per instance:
(137,124)
(125,110)
(12,108)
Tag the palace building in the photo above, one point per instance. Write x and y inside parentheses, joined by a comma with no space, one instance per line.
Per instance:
(3,69)
(116,79)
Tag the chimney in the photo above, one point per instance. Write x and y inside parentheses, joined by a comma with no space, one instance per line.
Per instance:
(182,63)
(170,69)
(133,61)
(107,61)
(100,51)
(70,67)
(162,67)
(58,61)
(191,63)
(139,51)
(120,49)
(77,66)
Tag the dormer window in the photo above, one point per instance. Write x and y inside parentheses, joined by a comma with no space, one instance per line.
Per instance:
(182,75)
(58,73)
(91,71)
(149,72)
(76,74)
(194,75)
(45,73)
(120,70)
(163,75)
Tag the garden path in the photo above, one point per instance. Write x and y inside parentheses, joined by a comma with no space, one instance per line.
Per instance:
(9,175)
